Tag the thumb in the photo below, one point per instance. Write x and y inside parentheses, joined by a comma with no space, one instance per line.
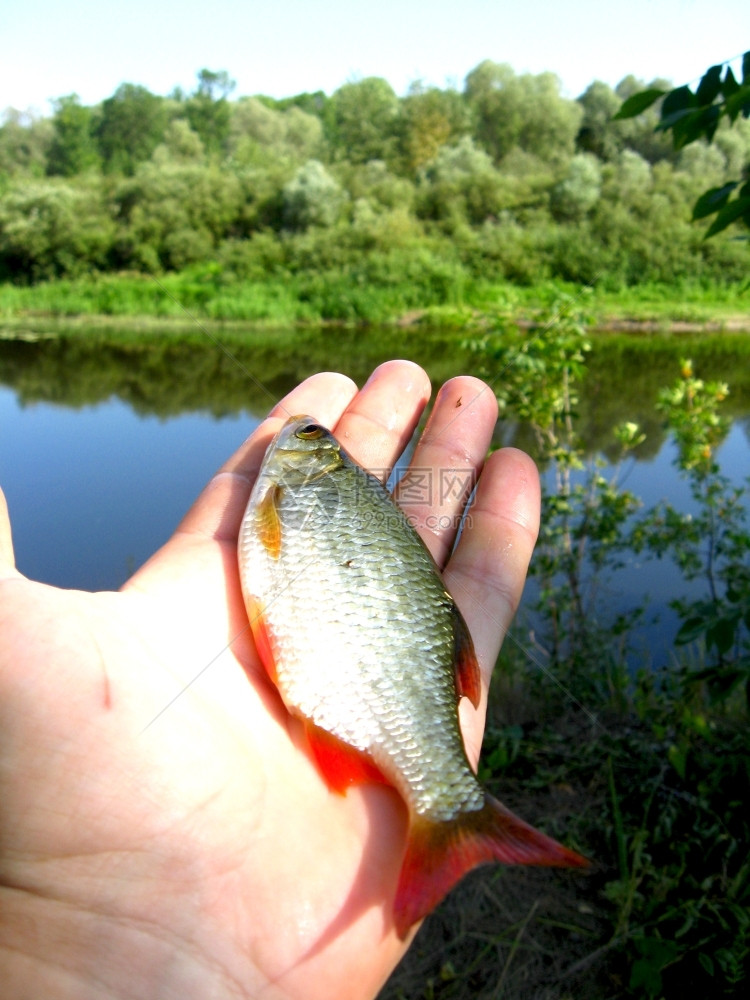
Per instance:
(7,559)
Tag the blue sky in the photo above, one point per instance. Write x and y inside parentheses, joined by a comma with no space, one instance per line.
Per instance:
(283,47)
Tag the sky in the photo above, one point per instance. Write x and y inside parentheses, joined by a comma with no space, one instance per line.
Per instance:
(284,47)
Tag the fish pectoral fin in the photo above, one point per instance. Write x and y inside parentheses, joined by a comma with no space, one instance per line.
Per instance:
(439,854)
(341,765)
(468,675)
(269,523)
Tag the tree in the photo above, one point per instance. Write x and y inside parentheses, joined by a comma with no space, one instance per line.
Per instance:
(380,188)
(73,150)
(53,228)
(131,125)
(314,103)
(208,111)
(430,118)
(597,134)
(579,190)
(524,111)
(606,137)
(216,85)
(180,145)
(24,144)
(173,213)
(461,183)
(263,135)
(312,198)
(692,115)
(363,120)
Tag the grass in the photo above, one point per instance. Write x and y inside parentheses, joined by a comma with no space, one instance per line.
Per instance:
(665,902)
(312,297)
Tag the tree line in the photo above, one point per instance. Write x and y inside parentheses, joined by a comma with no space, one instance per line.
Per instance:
(503,179)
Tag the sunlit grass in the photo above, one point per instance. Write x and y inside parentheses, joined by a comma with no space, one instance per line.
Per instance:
(344,296)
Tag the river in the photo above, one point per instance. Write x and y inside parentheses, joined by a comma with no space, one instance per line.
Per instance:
(105,439)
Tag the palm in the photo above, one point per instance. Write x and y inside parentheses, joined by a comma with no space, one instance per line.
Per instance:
(156,780)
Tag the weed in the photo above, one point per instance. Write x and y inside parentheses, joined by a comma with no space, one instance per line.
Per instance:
(647,773)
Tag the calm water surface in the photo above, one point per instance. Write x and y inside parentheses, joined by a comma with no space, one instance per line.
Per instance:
(94,491)
(103,450)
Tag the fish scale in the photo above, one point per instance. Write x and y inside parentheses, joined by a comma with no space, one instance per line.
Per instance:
(366,646)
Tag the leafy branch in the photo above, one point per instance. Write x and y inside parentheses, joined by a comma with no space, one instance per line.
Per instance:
(692,115)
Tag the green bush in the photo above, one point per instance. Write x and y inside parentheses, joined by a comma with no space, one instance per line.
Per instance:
(312,198)
(52,229)
(173,214)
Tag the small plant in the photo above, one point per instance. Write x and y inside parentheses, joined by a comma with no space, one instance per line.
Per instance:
(711,545)
(665,758)
(584,512)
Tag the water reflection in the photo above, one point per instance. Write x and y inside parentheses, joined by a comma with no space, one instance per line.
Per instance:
(186,372)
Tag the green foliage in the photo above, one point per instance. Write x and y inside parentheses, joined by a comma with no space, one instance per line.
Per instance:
(312,198)
(207,109)
(526,112)
(583,512)
(597,135)
(712,545)
(579,190)
(429,119)
(680,904)
(180,145)
(50,229)
(130,126)
(174,214)
(362,121)
(382,190)
(460,184)
(693,115)
(216,85)
(72,150)
(513,181)
(669,754)
(262,136)
(315,103)
(24,144)
(588,520)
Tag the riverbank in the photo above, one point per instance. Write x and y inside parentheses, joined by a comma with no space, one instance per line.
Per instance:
(189,298)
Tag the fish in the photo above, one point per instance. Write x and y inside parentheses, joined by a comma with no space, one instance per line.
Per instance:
(356,629)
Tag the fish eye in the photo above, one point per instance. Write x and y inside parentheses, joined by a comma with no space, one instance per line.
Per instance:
(310,432)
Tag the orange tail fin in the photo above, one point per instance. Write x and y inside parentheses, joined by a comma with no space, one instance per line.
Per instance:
(438,855)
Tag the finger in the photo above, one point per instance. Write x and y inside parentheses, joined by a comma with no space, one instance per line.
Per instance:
(219,509)
(447,461)
(486,573)
(7,557)
(379,422)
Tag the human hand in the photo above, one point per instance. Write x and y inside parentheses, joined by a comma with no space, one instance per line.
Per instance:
(163,832)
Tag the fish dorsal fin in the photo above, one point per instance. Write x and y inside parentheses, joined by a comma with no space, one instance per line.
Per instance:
(340,764)
(269,523)
(468,676)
